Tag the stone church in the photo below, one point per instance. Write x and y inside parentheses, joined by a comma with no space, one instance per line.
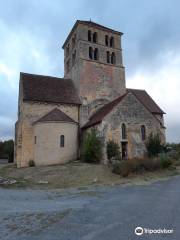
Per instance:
(54,113)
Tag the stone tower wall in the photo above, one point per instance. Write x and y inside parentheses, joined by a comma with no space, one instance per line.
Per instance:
(95,79)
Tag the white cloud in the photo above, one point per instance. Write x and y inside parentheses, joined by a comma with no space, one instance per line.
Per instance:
(5,70)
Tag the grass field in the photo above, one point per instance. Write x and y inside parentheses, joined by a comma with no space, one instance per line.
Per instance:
(76,174)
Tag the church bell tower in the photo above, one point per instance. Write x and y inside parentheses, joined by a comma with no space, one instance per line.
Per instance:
(93,60)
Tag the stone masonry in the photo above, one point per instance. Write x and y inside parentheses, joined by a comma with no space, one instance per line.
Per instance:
(54,112)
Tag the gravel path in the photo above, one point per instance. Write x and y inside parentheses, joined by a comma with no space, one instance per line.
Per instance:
(100,213)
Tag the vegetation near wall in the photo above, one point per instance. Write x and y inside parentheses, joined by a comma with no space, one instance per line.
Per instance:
(153,145)
(159,157)
(92,147)
(113,151)
(7,149)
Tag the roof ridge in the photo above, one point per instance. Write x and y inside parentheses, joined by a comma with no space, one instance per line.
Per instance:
(98,25)
(43,118)
(134,89)
(149,105)
(103,111)
(40,75)
(109,103)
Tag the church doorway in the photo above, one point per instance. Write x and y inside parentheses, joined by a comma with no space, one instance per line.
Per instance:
(124,150)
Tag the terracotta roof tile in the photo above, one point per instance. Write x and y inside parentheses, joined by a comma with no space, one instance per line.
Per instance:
(102,112)
(55,115)
(141,95)
(48,89)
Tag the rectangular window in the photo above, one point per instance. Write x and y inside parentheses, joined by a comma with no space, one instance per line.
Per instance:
(35,139)
(62,141)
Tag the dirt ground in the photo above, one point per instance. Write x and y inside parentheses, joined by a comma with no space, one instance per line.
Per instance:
(76,174)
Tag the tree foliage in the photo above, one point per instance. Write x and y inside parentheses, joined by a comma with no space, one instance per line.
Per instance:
(7,149)
(153,145)
(92,148)
(113,151)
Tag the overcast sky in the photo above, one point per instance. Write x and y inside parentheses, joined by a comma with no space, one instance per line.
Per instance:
(33,31)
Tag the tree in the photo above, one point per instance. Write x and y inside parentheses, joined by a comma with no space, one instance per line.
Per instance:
(153,145)
(7,149)
(92,148)
(112,149)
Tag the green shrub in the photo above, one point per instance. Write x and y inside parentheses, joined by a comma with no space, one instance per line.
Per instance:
(165,161)
(122,168)
(92,148)
(153,145)
(113,152)
(31,163)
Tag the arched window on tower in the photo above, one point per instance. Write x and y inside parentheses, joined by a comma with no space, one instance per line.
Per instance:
(107,57)
(90,53)
(113,58)
(89,35)
(95,37)
(123,131)
(143,132)
(106,40)
(112,42)
(96,54)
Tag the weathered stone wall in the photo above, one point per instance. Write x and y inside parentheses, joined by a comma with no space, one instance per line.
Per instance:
(95,79)
(47,149)
(99,80)
(131,112)
(31,112)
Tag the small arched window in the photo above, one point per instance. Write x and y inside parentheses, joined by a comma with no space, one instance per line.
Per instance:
(62,139)
(108,57)
(89,35)
(123,131)
(96,54)
(90,52)
(106,40)
(95,37)
(112,42)
(143,132)
(113,59)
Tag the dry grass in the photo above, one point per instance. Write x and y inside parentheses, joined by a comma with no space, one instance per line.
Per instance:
(75,174)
